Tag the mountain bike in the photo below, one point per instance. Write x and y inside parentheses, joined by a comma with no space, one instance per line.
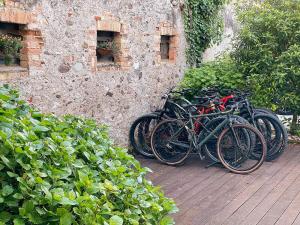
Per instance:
(173,140)
(141,128)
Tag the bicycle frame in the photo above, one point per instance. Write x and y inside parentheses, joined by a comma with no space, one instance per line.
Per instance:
(195,137)
(199,145)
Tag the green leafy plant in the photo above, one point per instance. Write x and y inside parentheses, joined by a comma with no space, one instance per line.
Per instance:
(108,45)
(203,26)
(9,48)
(290,123)
(221,73)
(267,52)
(67,171)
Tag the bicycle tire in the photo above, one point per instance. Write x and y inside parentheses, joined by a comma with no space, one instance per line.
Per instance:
(264,110)
(280,143)
(165,151)
(210,148)
(138,142)
(259,138)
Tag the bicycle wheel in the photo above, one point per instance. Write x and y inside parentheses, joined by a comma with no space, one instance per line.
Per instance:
(174,110)
(140,134)
(210,147)
(170,142)
(275,135)
(235,148)
(265,111)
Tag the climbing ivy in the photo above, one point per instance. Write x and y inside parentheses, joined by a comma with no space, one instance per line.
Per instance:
(203,26)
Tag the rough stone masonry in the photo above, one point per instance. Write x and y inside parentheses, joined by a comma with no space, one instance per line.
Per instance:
(59,71)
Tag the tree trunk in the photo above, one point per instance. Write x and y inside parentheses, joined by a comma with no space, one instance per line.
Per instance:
(294,124)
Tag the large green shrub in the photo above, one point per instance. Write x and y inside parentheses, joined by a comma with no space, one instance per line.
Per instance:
(67,171)
(222,73)
(267,51)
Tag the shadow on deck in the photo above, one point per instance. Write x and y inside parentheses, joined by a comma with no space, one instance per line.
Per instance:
(213,196)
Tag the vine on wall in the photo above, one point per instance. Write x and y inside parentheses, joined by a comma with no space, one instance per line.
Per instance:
(203,26)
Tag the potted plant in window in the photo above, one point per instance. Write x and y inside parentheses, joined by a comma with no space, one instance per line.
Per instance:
(9,48)
(107,48)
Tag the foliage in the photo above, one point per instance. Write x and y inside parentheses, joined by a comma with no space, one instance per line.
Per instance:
(296,130)
(221,73)
(67,171)
(293,126)
(267,51)
(203,25)
(108,45)
(9,47)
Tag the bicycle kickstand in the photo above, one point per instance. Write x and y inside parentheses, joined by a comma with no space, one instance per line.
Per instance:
(212,164)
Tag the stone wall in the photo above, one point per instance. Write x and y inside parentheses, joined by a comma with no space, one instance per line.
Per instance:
(60,57)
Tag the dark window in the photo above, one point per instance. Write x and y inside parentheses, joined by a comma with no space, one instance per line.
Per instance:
(106,46)
(165,47)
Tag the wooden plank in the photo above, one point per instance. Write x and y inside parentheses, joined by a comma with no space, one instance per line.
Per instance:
(196,172)
(280,206)
(207,195)
(178,178)
(290,214)
(192,182)
(208,207)
(260,193)
(158,169)
(213,196)
(297,220)
(208,213)
(262,208)
(207,187)
(237,202)
(191,166)
(201,194)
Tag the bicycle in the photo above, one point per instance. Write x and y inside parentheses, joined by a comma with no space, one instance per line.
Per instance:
(172,141)
(264,120)
(141,129)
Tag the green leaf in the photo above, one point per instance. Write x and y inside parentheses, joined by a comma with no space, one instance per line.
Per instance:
(8,106)
(28,206)
(115,220)
(167,221)
(7,190)
(38,128)
(18,196)
(66,219)
(66,201)
(5,217)
(19,221)
(10,174)
(65,216)
(6,161)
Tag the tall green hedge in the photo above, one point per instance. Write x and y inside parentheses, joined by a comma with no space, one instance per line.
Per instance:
(67,171)
(267,51)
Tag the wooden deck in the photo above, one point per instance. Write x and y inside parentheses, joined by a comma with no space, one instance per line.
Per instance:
(214,196)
